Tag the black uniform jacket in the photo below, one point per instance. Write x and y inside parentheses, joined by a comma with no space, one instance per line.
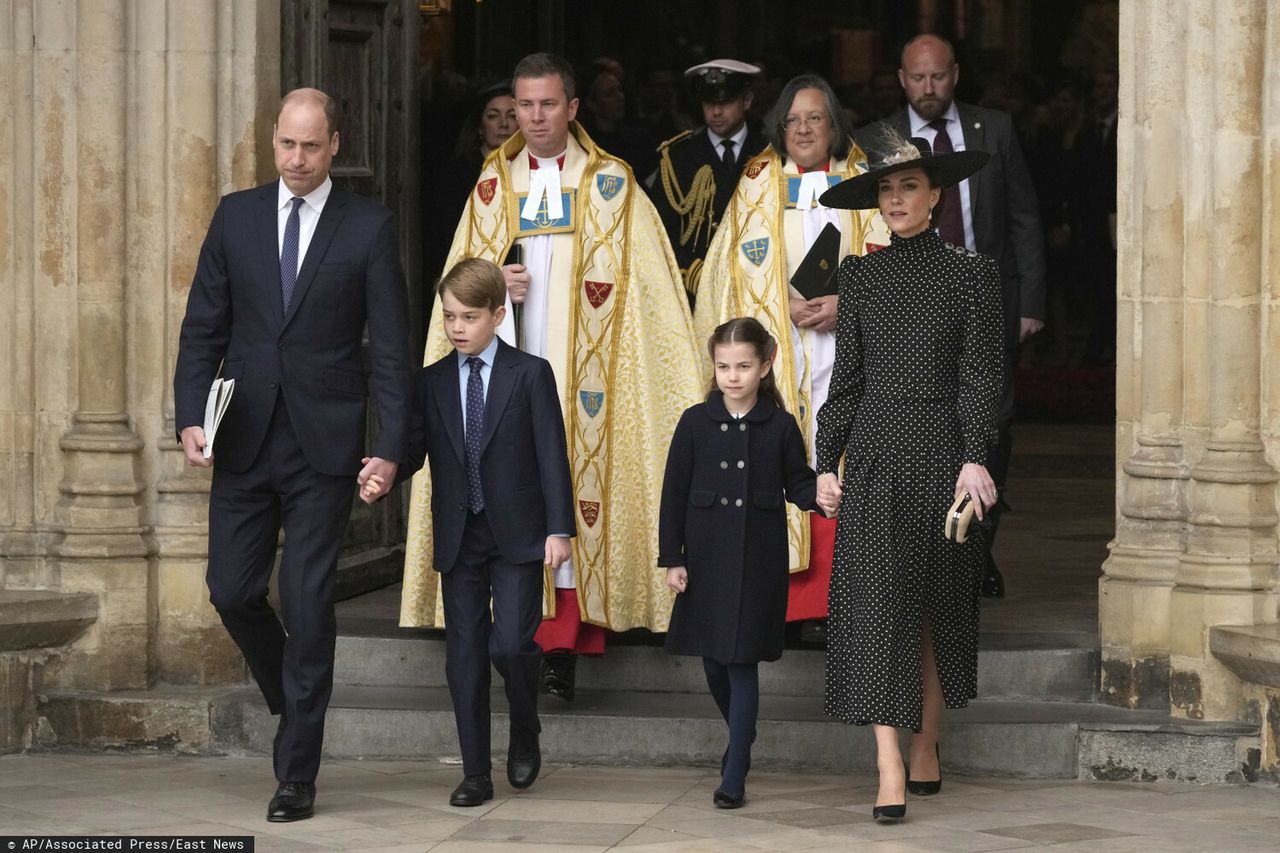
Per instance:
(724,518)
(684,157)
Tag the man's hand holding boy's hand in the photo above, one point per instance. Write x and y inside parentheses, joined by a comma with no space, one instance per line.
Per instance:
(678,578)
(376,478)
(559,549)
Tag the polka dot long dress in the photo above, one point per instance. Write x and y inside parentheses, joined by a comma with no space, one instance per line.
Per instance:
(914,395)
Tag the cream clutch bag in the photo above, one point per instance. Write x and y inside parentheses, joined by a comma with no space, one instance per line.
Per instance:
(959,517)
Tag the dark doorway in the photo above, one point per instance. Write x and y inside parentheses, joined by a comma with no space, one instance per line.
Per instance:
(364,53)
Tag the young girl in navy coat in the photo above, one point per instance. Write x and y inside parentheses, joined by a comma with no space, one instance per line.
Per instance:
(722,532)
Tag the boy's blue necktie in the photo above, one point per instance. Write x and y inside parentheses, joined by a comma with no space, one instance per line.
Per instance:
(475,428)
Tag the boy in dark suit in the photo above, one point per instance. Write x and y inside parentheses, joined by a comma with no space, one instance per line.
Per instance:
(487,418)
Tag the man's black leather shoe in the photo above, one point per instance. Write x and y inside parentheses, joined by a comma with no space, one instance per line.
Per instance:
(558,675)
(524,760)
(293,801)
(473,791)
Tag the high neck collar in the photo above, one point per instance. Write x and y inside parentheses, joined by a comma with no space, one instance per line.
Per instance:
(927,240)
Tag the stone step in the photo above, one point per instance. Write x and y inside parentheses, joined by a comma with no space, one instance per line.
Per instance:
(372,654)
(1003,738)
(37,618)
(1250,651)
(368,570)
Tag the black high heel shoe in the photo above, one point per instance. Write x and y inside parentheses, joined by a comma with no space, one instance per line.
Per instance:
(889,814)
(925,789)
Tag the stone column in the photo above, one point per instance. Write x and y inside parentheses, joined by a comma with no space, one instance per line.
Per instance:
(1230,557)
(102,548)
(19,549)
(208,84)
(1138,575)
(38,296)
(124,120)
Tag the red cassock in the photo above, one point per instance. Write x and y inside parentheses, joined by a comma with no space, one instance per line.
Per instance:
(807,595)
(567,632)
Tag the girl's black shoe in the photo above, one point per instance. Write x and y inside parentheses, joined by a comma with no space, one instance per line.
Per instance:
(728,801)
(889,814)
(925,789)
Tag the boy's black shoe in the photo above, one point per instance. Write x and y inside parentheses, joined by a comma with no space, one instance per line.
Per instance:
(473,791)
(524,760)
(293,801)
(558,673)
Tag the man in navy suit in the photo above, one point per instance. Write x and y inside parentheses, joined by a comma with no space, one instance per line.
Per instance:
(487,417)
(993,212)
(288,276)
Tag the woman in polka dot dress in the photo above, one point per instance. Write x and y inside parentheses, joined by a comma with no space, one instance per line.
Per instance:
(912,411)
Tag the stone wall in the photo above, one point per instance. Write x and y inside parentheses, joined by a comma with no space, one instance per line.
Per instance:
(1198,378)
(124,121)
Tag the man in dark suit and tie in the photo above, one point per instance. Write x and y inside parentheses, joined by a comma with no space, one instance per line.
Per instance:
(993,212)
(288,275)
(487,417)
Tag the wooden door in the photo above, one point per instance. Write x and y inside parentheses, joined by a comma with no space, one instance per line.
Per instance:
(364,54)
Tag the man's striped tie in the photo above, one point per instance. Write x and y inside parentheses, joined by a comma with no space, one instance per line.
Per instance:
(289,254)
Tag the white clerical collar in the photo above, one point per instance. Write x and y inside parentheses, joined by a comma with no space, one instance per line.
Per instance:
(812,185)
(314,199)
(738,138)
(918,124)
(544,182)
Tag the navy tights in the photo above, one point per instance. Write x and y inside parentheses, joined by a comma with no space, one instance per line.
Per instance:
(736,689)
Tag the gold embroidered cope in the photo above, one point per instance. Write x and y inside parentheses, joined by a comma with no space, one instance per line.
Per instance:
(620,340)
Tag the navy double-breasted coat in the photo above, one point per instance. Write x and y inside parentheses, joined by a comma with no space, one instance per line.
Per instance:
(724,519)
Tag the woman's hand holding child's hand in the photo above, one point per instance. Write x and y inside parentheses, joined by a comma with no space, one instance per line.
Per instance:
(678,578)
(830,489)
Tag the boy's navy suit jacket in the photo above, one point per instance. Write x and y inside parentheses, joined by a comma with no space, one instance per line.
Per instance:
(524,458)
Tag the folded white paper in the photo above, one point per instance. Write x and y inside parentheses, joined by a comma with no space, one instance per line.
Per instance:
(219,399)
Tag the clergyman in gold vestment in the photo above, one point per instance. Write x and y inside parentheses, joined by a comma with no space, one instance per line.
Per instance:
(599,295)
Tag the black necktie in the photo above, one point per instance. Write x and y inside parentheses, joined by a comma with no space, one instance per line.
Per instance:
(951,225)
(475,428)
(727,158)
(289,254)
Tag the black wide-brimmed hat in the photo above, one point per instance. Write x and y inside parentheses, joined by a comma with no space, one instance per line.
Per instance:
(862,192)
